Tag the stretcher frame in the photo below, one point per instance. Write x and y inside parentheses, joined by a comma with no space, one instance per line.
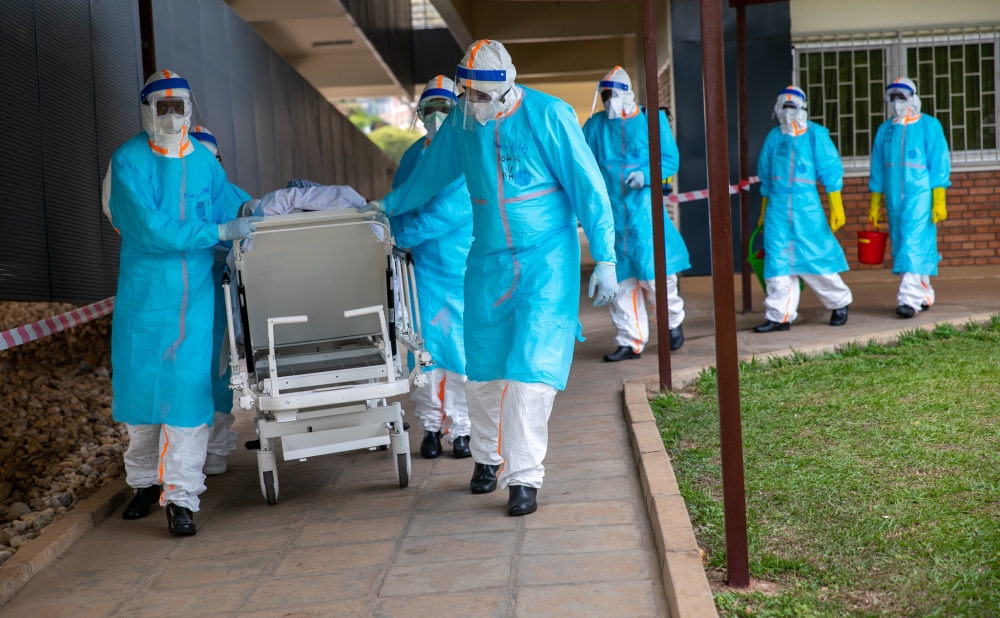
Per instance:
(319,380)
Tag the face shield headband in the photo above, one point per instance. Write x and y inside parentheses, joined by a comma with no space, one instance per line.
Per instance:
(616,88)
(480,105)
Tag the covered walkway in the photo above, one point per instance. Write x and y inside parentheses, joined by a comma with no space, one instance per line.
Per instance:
(345,541)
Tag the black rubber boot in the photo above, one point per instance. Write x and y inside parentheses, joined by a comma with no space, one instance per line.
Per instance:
(430,447)
(622,353)
(461,447)
(772,327)
(905,311)
(180,521)
(141,501)
(521,500)
(838,317)
(484,479)
(676,338)
(924,307)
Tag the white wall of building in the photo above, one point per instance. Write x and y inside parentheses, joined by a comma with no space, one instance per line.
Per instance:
(829,16)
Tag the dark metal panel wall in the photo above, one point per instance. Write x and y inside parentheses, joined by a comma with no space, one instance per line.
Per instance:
(387,25)
(435,52)
(769,64)
(24,261)
(271,126)
(242,162)
(117,82)
(70,161)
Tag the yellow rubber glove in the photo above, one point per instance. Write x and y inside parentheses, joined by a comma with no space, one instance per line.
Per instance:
(873,210)
(939,212)
(837,218)
(763,209)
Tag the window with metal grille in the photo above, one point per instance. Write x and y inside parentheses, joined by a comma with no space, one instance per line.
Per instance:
(957,84)
(956,71)
(423,15)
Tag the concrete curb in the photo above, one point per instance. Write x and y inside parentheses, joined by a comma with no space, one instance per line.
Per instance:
(688,592)
(684,580)
(57,538)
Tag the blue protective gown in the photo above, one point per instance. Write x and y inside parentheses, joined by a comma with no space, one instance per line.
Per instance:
(797,236)
(438,235)
(167,211)
(621,146)
(908,162)
(222,396)
(530,175)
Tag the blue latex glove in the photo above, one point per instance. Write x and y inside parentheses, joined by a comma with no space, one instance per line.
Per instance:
(373,206)
(378,217)
(301,183)
(605,280)
(236,229)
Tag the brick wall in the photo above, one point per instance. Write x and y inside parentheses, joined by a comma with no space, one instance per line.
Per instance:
(970,236)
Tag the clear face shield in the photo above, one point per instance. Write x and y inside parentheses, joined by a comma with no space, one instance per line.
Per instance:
(170,114)
(432,112)
(484,93)
(791,114)
(900,101)
(612,95)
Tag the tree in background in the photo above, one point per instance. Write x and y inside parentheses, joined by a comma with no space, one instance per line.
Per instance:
(393,141)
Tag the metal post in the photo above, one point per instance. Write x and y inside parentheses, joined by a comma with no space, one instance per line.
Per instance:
(727,359)
(656,191)
(741,102)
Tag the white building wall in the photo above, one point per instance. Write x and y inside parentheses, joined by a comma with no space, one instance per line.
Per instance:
(829,16)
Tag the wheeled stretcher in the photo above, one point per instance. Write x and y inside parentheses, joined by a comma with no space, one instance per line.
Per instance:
(328,310)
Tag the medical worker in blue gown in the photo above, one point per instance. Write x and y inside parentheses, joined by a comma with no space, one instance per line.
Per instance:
(911,169)
(530,175)
(619,138)
(798,240)
(221,439)
(169,202)
(438,235)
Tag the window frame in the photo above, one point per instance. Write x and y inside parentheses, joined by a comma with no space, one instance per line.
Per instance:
(896,45)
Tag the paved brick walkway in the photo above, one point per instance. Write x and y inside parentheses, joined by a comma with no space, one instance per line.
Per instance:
(344,540)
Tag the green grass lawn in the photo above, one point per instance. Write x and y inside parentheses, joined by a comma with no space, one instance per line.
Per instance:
(872,477)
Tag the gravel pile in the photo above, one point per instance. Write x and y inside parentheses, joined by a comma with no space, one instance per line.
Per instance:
(58,442)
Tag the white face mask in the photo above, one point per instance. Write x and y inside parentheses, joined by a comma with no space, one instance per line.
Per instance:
(899,107)
(170,124)
(433,122)
(614,106)
(792,118)
(483,112)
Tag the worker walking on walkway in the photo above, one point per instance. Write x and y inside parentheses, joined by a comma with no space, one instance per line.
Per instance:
(798,241)
(168,199)
(619,139)
(438,235)
(531,176)
(911,169)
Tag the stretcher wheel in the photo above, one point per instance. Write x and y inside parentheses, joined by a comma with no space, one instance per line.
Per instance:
(269,493)
(403,469)
(383,447)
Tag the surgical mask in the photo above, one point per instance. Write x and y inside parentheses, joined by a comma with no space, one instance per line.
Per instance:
(792,119)
(899,107)
(433,122)
(614,106)
(170,124)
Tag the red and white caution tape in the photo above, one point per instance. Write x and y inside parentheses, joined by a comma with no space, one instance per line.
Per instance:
(48,326)
(692,196)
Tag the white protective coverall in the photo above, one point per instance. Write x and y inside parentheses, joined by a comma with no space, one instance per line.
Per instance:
(629,313)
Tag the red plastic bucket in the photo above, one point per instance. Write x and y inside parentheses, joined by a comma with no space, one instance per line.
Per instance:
(871,246)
